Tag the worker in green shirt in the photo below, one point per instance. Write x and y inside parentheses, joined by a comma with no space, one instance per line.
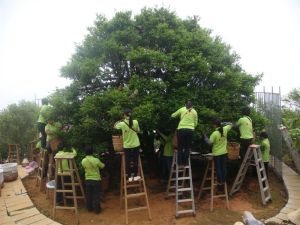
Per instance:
(41,123)
(131,143)
(265,150)
(188,121)
(52,130)
(167,153)
(246,131)
(218,140)
(91,167)
(63,149)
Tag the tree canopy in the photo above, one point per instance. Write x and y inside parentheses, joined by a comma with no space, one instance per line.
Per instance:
(18,125)
(151,62)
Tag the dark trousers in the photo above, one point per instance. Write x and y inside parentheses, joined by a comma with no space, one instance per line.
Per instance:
(221,167)
(167,163)
(244,147)
(59,195)
(184,138)
(41,129)
(93,195)
(132,155)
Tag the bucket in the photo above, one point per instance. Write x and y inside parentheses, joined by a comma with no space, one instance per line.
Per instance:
(233,149)
(1,178)
(117,143)
(10,171)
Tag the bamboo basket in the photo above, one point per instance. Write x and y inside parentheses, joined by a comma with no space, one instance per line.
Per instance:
(117,143)
(10,171)
(233,149)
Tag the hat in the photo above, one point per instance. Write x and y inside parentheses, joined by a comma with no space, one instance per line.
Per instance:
(294,216)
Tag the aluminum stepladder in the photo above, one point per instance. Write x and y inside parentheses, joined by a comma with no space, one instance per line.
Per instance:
(253,157)
(180,191)
(74,181)
(137,189)
(171,188)
(210,177)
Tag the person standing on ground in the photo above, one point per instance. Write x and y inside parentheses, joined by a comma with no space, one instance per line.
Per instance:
(91,167)
(188,121)
(265,150)
(246,131)
(167,154)
(218,140)
(131,143)
(41,123)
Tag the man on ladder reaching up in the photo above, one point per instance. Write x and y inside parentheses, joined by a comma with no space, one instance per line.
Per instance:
(188,121)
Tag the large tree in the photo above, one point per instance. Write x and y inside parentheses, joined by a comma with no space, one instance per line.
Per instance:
(151,62)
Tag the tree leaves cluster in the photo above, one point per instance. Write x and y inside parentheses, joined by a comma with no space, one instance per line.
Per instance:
(18,125)
(151,62)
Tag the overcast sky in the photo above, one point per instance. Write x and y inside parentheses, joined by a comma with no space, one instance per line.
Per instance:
(37,37)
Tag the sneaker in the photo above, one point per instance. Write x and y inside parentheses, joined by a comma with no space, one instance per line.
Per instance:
(136,178)
(130,179)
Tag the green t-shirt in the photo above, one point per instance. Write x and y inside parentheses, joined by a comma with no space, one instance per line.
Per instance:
(188,118)
(245,126)
(168,149)
(44,113)
(65,165)
(265,150)
(52,130)
(219,144)
(130,137)
(91,167)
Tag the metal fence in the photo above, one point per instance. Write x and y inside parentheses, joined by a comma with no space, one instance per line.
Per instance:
(269,105)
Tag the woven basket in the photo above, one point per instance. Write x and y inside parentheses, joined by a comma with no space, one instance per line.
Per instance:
(10,171)
(233,149)
(117,143)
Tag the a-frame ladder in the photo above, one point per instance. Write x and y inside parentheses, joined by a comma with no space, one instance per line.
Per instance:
(253,157)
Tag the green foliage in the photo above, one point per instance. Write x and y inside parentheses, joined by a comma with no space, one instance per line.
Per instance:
(18,125)
(291,116)
(151,63)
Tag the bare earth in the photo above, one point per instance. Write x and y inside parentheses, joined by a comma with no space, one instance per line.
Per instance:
(163,210)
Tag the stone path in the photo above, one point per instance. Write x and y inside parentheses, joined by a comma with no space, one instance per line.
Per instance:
(17,208)
(292,183)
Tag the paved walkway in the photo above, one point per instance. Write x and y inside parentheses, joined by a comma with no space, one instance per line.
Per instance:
(17,208)
(292,183)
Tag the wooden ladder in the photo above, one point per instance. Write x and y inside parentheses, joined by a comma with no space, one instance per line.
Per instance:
(40,170)
(73,175)
(137,189)
(14,153)
(210,178)
(253,157)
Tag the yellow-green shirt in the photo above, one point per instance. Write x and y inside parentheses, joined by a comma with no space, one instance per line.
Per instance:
(52,130)
(219,143)
(130,137)
(265,150)
(188,118)
(44,113)
(64,163)
(168,149)
(91,167)
(245,126)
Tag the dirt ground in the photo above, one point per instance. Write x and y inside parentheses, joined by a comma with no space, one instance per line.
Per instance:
(163,210)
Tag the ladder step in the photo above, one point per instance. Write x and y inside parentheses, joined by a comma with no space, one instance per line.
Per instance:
(184,178)
(173,187)
(64,191)
(263,179)
(133,185)
(185,211)
(138,208)
(220,196)
(184,189)
(268,198)
(266,189)
(136,195)
(185,200)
